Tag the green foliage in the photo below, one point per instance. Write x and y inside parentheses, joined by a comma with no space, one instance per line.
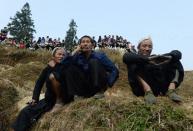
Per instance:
(21,26)
(71,38)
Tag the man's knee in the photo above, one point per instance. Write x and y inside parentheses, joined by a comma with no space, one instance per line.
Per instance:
(132,72)
(96,66)
(55,76)
(94,61)
(51,77)
(132,67)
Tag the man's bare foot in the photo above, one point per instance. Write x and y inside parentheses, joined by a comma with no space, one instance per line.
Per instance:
(56,107)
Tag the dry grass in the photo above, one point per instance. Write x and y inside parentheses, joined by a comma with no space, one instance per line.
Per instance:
(23,55)
(18,71)
(119,110)
(23,74)
(8,96)
(115,114)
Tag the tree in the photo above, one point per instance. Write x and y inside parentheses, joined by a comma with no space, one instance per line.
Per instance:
(71,38)
(22,26)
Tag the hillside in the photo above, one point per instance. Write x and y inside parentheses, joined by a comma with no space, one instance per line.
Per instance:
(119,110)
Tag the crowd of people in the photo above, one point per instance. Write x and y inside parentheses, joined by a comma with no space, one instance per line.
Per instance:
(110,41)
(87,73)
(42,42)
(3,34)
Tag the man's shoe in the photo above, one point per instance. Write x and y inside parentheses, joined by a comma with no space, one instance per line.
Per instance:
(99,95)
(76,97)
(149,98)
(173,96)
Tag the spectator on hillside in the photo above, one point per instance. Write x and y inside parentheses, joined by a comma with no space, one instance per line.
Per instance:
(100,42)
(21,44)
(94,41)
(3,34)
(99,39)
(151,76)
(35,45)
(13,42)
(55,95)
(39,40)
(47,40)
(63,43)
(42,42)
(1,39)
(91,71)
(4,31)
(113,42)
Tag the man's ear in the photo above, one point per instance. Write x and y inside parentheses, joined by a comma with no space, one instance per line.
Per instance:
(92,47)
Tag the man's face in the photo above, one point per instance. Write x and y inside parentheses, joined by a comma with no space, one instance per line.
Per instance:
(86,44)
(145,48)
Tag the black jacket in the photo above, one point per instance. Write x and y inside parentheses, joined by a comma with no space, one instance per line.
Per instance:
(130,58)
(44,76)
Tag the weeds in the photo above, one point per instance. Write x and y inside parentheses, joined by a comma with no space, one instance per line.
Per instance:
(122,112)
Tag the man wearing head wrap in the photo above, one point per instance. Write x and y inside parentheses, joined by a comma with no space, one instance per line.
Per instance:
(55,94)
(153,75)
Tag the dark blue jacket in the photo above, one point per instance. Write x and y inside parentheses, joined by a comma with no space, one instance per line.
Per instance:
(109,66)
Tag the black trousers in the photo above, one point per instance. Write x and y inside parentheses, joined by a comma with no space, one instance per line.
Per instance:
(29,115)
(86,83)
(158,77)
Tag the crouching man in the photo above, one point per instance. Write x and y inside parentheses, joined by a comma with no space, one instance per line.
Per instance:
(153,75)
(91,72)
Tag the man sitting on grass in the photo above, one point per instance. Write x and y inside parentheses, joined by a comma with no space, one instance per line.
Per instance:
(150,76)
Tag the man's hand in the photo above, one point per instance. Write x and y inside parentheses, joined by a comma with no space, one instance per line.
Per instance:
(76,50)
(32,102)
(176,55)
(52,63)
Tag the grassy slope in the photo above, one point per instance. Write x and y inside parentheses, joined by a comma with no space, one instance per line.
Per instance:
(119,110)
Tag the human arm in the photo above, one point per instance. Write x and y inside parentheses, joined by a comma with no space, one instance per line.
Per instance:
(130,57)
(159,59)
(76,50)
(173,56)
(176,55)
(40,82)
(113,72)
(32,102)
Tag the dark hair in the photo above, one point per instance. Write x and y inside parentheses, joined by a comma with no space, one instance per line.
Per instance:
(85,36)
(139,45)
